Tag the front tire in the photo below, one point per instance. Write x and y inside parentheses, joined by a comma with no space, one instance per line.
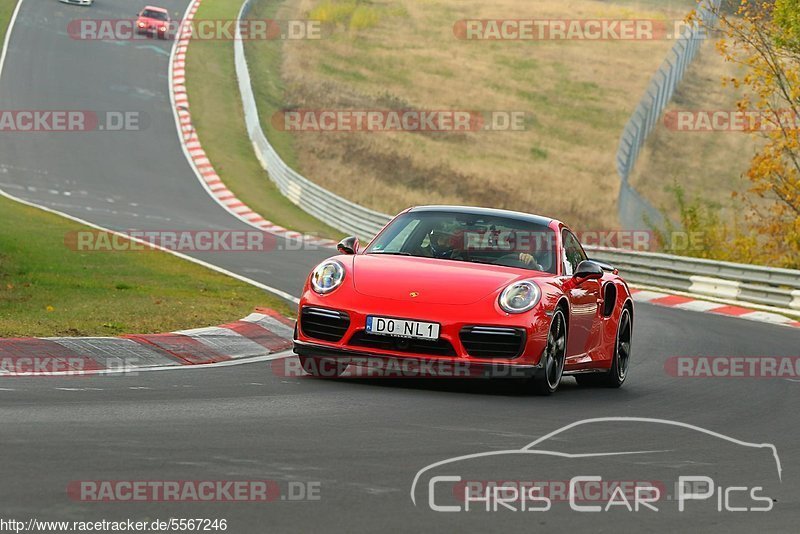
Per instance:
(555,355)
(615,376)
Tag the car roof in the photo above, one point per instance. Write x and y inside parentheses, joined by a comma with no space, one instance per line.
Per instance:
(154,8)
(471,210)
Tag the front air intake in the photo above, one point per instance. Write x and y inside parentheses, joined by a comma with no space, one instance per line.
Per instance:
(493,341)
(324,324)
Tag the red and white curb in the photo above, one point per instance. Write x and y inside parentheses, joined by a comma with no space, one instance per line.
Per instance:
(197,156)
(693,304)
(258,336)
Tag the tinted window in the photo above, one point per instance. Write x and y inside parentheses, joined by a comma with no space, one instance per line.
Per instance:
(158,15)
(573,253)
(473,238)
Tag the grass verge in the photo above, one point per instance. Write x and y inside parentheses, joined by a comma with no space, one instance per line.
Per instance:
(6,9)
(706,165)
(47,289)
(218,118)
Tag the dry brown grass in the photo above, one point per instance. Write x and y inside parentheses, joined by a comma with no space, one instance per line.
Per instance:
(577,96)
(708,165)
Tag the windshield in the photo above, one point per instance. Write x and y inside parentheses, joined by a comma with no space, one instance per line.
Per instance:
(474,238)
(158,15)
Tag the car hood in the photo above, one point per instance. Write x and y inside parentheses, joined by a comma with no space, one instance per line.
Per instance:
(434,281)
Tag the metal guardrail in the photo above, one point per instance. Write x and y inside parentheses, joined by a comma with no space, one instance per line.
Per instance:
(633,208)
(759,285)
(766,286)
(326,206)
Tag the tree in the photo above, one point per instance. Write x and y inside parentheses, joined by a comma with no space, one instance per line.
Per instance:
(764,38)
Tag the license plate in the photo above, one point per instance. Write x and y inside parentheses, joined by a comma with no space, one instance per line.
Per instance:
(386,326)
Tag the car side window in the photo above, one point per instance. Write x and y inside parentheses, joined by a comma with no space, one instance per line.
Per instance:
(573,253)
(398,242)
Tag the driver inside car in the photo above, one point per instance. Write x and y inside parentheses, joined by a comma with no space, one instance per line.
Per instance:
(442,243)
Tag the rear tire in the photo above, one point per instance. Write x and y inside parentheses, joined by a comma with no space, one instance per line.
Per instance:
(555,353)
(614,377)
(322,367)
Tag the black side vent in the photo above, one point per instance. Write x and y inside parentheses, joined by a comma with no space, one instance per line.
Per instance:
(327,325)
(609,299)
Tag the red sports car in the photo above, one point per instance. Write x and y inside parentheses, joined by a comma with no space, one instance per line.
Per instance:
(502,292)
(153,20)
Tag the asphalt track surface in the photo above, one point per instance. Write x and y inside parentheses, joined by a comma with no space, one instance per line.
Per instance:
(362,441)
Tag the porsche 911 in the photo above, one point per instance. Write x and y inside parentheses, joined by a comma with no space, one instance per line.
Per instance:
(492,289)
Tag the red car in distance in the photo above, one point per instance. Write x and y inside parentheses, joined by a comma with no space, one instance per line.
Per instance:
(154,21)
(501,292)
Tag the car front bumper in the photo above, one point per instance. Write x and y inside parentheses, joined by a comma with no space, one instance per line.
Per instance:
(453,321)
(380,364)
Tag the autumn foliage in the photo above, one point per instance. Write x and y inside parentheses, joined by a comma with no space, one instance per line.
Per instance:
(764,39)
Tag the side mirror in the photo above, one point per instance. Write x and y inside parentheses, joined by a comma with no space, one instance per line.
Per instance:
(588,270)
(606,266)
(348,245)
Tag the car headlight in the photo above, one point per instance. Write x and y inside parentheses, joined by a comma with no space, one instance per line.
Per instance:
(327,276)
(520,297)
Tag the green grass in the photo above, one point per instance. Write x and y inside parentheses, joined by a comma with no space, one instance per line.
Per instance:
(218,117)
(6,8)
(48,289)
(342,74)
(350,13)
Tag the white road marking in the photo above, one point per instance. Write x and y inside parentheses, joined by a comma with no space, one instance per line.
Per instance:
(4,52)
(205,366)
(274,291)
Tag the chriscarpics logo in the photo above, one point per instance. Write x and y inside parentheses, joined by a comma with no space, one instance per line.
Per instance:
(609,465)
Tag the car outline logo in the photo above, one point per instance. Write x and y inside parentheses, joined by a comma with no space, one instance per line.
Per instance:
(528,449)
